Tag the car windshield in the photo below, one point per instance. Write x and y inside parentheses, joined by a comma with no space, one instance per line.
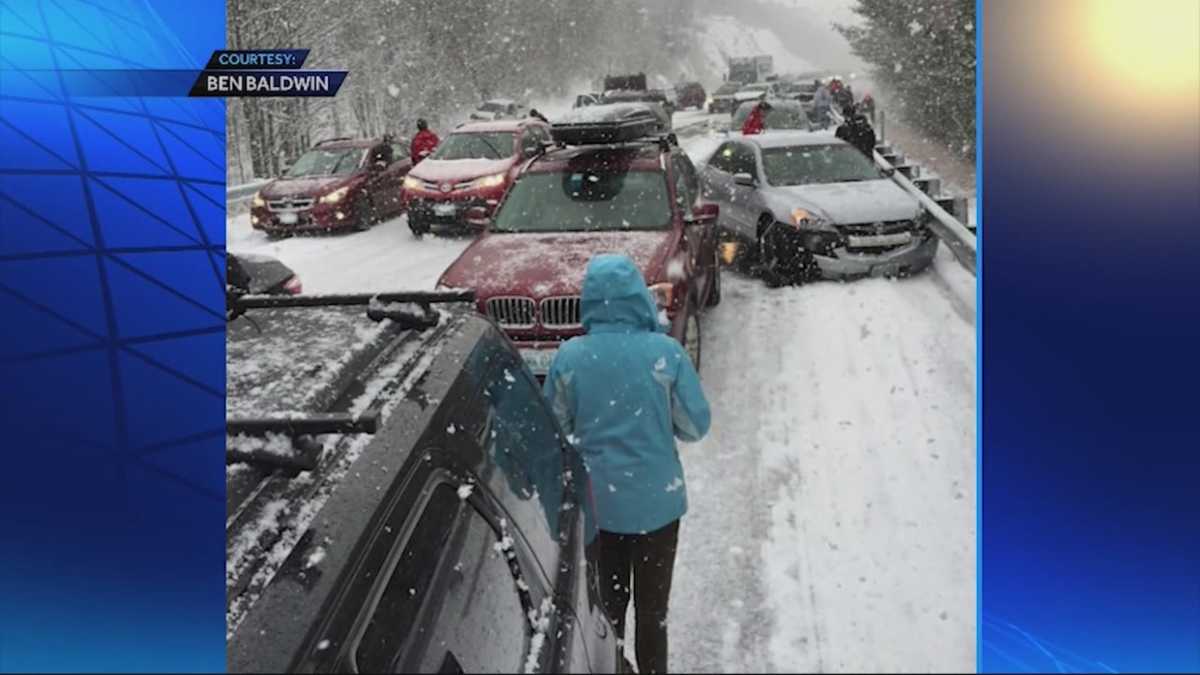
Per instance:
(728,89)
(756,87)
(586,200)
(493,106)
(475,146)
(326,162)
(812,164)
(778,117)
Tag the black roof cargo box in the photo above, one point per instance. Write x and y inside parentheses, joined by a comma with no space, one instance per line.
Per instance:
(608,123)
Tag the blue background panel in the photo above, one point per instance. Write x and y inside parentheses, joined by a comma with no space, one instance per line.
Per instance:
(112,354)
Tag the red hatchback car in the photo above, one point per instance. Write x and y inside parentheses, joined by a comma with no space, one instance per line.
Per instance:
(639,198)
(472,166)
(339,184)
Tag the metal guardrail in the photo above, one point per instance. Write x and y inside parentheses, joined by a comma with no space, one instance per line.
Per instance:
(949,229)
(239,193)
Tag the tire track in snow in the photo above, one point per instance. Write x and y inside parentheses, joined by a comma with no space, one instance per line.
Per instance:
(851,411)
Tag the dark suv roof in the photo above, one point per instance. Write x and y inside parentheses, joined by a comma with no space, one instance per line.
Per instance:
(642,156)
(303,366)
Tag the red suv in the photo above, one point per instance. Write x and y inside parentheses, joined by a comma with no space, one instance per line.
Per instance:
(341,183)
(472,166)
(640,198)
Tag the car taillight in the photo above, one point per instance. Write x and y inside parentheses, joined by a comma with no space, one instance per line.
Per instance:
(293,286)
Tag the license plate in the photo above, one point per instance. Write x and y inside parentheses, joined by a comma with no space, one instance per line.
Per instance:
(539,360)
(881,240)
(444,209)
(288,218)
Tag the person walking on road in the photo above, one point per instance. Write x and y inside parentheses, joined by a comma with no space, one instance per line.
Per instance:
(624,392)
(756,121)
(423,143)
(857,131)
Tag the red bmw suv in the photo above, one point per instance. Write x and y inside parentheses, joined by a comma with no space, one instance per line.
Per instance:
(640,198)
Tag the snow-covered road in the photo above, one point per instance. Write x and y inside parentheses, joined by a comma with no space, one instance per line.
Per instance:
(832,508)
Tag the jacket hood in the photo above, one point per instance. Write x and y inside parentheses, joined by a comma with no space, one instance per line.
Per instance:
(615,296)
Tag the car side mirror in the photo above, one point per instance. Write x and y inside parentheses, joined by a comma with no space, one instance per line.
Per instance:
(704,214)
(477,216)
(285,168)
(889,172)
(744,179)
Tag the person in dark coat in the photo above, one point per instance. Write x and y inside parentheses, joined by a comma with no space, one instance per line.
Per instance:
(857,131)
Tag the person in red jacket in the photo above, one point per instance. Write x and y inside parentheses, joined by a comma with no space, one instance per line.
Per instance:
(756,122)
(424,143)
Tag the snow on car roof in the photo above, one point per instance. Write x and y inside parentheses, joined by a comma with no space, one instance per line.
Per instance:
(783,139)
(499,101)
(496,126)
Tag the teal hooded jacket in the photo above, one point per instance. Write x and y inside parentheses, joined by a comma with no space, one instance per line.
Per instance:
(624,392)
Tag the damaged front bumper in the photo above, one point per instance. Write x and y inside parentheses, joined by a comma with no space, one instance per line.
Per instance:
(908,259)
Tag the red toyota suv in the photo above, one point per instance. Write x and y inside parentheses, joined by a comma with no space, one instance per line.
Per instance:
(472,166)
(340,183)
(638,197)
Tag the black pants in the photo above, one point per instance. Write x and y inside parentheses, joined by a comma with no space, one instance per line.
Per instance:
(650,560)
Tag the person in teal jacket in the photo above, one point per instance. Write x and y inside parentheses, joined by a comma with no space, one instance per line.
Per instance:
(623,393)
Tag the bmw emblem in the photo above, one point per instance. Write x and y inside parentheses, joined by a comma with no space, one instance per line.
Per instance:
(445,187)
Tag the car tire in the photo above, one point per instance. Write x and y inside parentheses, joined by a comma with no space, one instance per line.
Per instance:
(770,267)
(363,212)
(693,339)
(419,228)
(714,295)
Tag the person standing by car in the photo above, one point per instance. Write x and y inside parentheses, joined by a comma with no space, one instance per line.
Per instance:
(857,131)
(423,143)
(624,392)
(756,122)
(822,105)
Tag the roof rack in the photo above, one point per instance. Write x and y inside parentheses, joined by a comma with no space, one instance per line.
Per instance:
(607,124)
(379,306)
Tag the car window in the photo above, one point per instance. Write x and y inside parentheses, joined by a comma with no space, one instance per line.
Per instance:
(742,160)
(399,151)
(411,577)
(810,164)
(326,162)
(722,159)
(586,199)
(478,622)
(686,185)
(472,145)
(525,446)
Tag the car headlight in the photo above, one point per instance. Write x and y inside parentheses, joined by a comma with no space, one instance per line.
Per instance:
(335,196)
(494,180)
(807,219)
(259,202)
(411,183)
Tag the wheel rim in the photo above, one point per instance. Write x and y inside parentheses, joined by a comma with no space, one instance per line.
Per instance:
(692,341)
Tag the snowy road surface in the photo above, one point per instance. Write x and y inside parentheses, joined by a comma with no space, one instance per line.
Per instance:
(832,508)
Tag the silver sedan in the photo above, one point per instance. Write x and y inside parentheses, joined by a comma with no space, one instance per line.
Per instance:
(808,205)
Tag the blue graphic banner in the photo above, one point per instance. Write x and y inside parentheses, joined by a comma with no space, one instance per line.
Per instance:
(112,360)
